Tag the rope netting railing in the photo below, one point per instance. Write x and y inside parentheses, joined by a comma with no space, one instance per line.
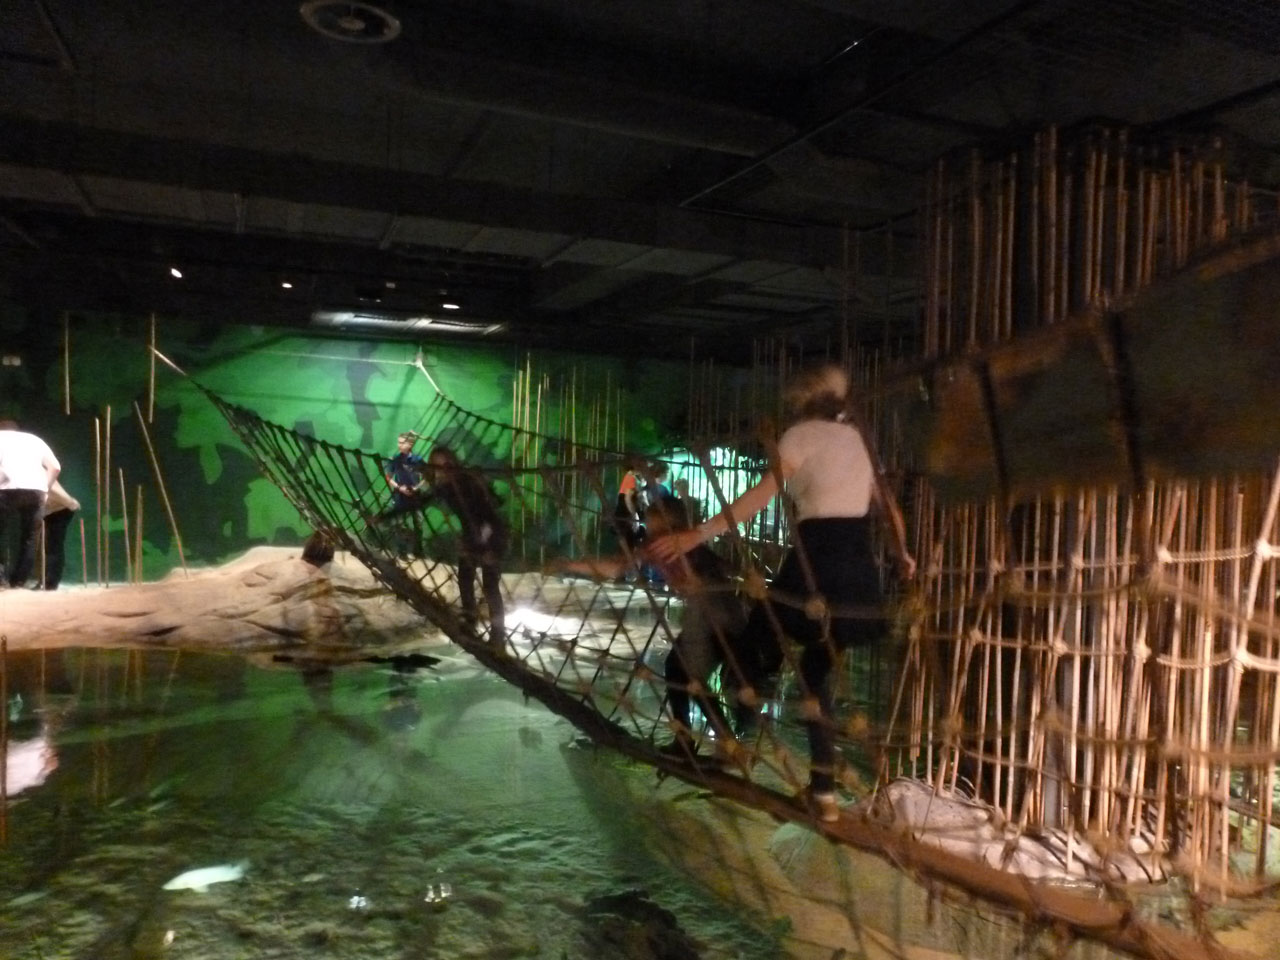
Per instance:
(1013,692)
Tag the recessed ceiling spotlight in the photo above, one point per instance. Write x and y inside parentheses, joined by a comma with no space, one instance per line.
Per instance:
(350,20)
(286,284)
(450,306)
(175,273)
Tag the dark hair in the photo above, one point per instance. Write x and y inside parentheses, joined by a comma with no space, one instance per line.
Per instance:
(442,456)
(671,510)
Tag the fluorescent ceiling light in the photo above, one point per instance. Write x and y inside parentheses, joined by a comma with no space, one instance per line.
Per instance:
(450,306)
(175,273)
(351,320)
(286,284)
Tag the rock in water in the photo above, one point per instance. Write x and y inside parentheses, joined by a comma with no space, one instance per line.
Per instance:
(318,549)
(630,926)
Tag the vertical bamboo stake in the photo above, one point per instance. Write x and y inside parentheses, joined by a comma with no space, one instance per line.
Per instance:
(1034,178)
(1011,204)
(1175,198)
(137,536)
(1122,212)
(124,513)
(97,493)
(1088,187)
(1197,203)
(1061,311)
(1051,225)
(950,288)
(164,493)
(975,247)
(1219,227)
(151,379)
(933,339)
(106,498)
(1100,218)
(997,254)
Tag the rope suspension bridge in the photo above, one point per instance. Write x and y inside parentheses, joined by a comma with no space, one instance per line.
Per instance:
(1079,699)
(979,716)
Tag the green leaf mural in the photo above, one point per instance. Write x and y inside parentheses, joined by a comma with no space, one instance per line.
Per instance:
(359,394)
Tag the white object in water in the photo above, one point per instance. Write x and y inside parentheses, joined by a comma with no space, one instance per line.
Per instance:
(200,879)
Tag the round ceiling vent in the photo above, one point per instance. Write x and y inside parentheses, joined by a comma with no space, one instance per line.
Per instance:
(352,22)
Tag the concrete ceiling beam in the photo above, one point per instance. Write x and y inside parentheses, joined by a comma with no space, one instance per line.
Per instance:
(76,150)
(613,106)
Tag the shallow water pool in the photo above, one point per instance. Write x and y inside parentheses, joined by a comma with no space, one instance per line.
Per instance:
(377,810)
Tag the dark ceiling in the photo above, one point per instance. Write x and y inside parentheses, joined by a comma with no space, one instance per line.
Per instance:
(615,175)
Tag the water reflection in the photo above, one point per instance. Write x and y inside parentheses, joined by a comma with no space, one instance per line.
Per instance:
(423,790)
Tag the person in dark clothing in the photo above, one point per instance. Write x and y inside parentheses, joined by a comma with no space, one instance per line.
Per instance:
(627,509)
(656,489)
(394,529)
(404,476)
(59,510)
(483,534)
(712,616)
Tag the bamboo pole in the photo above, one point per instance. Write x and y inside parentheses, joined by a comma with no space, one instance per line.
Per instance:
(1197,202)
(975,247)
(151,377)
(1051,225)
(1088,190)
(97,494)
(1035,178)
(1011,204)
(1149,229)
(933,339)
(137,535)
(106,497)
(124,514)
(1177,232)
(997,257)
(164,493)
(1219,227)
(1062,308)
(1122,212)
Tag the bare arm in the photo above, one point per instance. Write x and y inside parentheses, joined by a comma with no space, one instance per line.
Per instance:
(745,507)
(741,510)
(598,568)
(892,514)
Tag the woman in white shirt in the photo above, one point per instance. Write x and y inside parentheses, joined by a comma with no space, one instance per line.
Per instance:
(831,568)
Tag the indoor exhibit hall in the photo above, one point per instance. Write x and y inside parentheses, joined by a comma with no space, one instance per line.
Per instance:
(678,481)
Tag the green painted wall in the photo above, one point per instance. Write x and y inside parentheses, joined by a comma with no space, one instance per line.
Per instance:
(354,393)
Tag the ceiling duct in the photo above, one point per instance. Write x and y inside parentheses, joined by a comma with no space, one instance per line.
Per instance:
(351,22)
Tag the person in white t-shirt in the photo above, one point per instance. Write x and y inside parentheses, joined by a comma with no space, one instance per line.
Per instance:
(829,474)
(28,469)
